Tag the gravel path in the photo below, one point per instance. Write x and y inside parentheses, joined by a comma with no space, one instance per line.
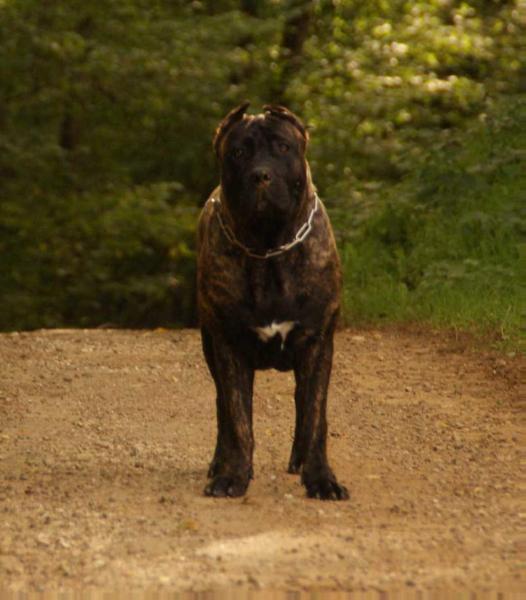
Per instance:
(105,438)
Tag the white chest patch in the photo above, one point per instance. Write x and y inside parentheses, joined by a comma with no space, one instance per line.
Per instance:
(269,331)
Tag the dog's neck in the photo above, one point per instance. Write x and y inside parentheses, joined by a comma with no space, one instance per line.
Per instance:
(263,235)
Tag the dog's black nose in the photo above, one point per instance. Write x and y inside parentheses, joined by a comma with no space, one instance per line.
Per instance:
(261,175)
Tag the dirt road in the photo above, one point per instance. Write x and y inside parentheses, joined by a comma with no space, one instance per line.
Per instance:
(105,438)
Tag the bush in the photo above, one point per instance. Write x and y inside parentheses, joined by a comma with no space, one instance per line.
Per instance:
(446,244)
(123,259)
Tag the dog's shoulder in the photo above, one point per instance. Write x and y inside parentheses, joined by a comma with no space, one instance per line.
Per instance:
(321,244)
(206,216)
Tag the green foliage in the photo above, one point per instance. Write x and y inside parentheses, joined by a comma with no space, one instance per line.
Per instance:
(107,110)
(447,245)
(384,80)
(111,93)
(122,259)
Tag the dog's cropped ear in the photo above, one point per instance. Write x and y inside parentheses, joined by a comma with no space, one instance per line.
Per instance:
(280,112)
(233,117)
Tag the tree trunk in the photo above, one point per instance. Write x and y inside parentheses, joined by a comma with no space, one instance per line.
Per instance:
(295,32)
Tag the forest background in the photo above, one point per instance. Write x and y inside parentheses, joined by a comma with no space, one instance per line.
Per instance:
(417,114)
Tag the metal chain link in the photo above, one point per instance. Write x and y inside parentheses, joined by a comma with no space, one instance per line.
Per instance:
(301,234)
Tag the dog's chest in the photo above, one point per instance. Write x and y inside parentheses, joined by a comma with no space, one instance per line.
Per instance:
(268,332)
(273,293)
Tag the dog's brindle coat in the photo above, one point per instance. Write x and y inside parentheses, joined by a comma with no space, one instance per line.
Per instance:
(259,313)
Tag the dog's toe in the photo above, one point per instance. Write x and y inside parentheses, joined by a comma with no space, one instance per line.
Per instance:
(336,492)
(224,486)
(294,468)
(326,489)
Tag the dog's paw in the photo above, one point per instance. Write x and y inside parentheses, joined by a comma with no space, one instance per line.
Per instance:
(294,465)
(325,487)
(297,458)
(223,486)
(215,466)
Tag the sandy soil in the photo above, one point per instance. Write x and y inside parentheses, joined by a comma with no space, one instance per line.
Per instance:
(105,437)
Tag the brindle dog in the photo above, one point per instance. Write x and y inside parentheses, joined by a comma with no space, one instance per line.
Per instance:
(268,294)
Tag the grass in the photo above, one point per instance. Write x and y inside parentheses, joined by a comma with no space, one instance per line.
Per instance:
(446,246)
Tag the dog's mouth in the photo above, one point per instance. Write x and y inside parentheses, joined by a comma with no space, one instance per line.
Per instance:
(262,203)
(271,201)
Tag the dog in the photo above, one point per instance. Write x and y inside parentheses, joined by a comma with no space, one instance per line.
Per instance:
(268,289)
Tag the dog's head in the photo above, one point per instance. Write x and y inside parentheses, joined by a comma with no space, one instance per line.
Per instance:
(264,174)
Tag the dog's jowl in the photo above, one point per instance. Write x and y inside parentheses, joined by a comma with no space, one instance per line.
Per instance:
(268,294)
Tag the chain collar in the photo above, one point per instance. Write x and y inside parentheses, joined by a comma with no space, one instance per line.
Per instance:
(301,234)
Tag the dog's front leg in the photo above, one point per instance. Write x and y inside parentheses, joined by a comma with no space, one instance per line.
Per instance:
(231,468)
(309,450)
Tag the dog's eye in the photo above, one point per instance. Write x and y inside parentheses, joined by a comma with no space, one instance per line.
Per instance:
(283,147)
(238,152)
